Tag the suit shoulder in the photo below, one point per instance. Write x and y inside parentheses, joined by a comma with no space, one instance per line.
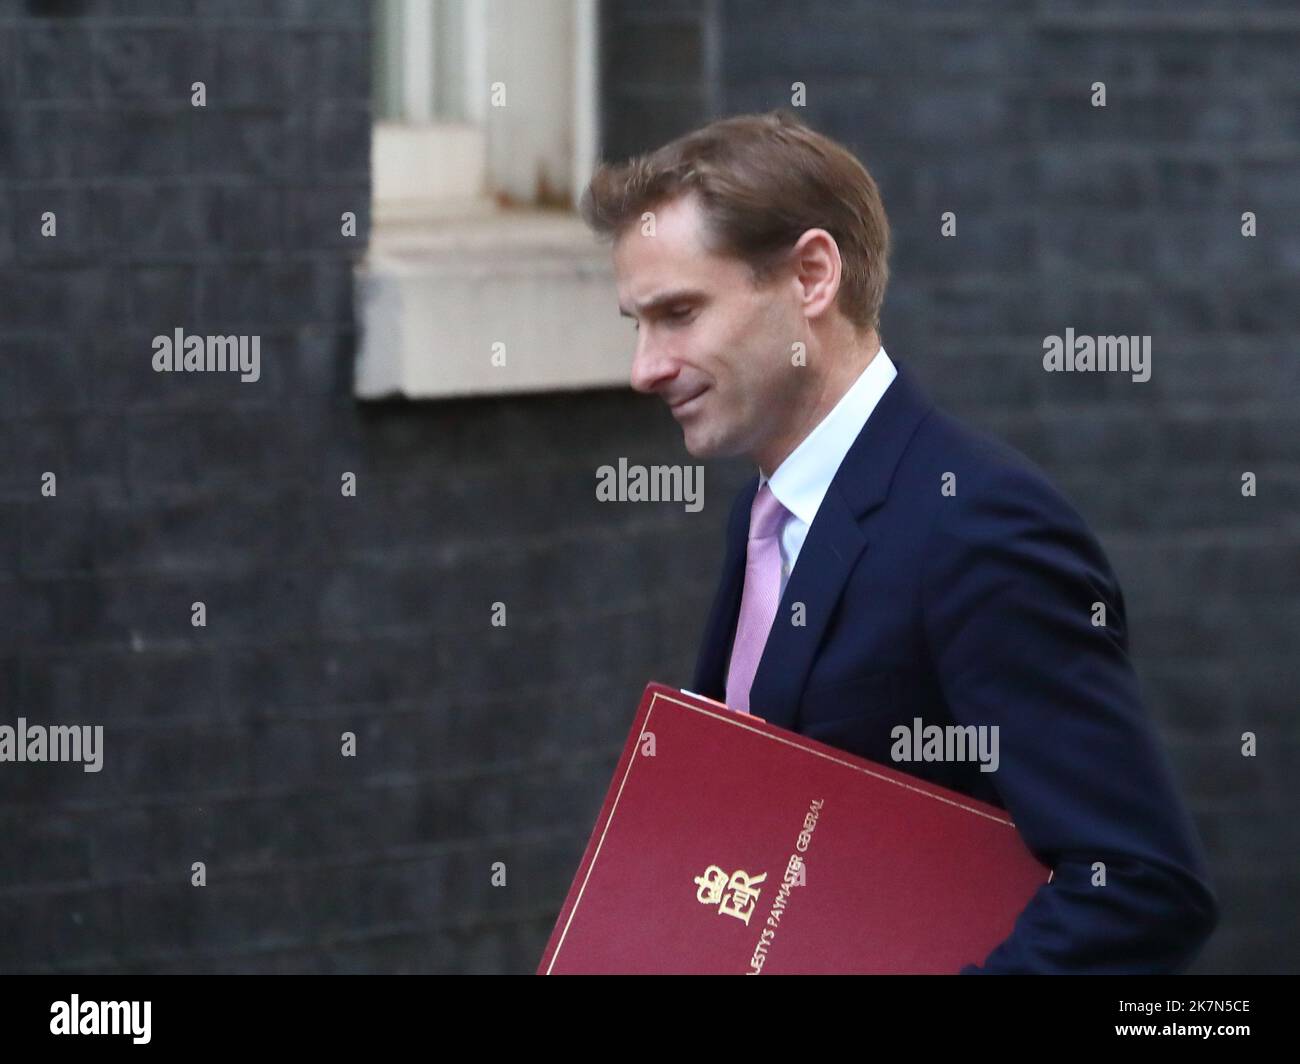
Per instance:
(978,450)
(983,467)
(1002,511)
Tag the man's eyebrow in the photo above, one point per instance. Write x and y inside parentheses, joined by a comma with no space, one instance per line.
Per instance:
(679,295)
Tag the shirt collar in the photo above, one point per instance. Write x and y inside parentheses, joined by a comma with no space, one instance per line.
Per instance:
(802,480)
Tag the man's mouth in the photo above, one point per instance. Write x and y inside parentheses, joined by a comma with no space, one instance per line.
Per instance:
(677,408)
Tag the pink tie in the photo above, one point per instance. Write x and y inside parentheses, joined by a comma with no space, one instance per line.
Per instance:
(760,598)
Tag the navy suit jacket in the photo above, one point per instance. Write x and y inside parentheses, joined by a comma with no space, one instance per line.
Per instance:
(976,607)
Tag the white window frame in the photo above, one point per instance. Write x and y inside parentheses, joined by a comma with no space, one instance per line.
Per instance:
(457,278)
(544,140)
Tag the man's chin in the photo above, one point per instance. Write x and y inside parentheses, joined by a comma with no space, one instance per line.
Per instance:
(697,445)
(701,445)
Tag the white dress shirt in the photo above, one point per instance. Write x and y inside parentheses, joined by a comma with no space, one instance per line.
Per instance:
(801,481)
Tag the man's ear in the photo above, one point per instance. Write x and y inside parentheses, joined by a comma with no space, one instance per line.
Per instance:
(817,269)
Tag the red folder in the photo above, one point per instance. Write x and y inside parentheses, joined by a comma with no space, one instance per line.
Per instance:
(728,845)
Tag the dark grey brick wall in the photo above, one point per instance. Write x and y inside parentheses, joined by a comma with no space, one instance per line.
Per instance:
(658,71)
(372,614)
(325,614)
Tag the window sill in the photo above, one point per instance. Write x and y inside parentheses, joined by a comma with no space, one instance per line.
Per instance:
(441,302)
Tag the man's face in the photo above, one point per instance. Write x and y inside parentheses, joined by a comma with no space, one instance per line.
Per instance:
(716,349)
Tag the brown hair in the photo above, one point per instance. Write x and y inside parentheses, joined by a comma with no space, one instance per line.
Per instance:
(763,181)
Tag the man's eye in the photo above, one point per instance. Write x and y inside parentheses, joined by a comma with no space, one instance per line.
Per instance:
(678,315)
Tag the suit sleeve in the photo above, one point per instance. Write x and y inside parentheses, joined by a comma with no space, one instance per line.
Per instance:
(1012,576)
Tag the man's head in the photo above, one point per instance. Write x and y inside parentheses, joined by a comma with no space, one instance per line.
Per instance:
(733,245)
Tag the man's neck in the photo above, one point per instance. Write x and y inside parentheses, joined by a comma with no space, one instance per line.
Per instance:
(836,382)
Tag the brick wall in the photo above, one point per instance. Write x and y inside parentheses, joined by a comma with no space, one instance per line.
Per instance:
(325,614)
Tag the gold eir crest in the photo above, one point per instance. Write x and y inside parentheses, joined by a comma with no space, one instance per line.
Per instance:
(734,895)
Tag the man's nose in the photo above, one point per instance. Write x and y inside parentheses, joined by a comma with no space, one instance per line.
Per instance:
(650,365)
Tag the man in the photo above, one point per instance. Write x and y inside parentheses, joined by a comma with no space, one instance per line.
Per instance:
(889,563)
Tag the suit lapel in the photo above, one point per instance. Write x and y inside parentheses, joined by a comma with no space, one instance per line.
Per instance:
(835,542)
(719,630)
(826,558)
